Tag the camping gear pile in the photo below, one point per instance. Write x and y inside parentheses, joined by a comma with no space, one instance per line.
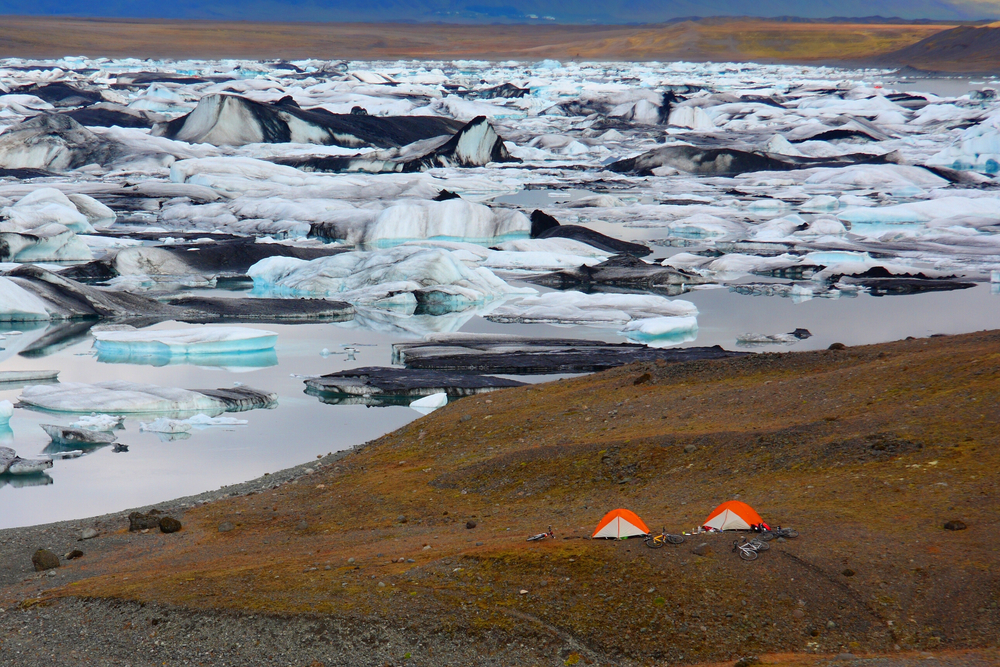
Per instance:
(620,524)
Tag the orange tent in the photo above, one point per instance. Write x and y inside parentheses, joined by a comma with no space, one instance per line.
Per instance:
(620,523)
(733,515)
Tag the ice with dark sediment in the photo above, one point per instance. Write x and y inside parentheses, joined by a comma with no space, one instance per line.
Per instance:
(12,464)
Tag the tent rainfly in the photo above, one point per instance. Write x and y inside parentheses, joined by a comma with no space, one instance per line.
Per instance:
(733,515)
(620,523)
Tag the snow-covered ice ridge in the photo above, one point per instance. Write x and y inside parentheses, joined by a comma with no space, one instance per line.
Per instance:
(817,176)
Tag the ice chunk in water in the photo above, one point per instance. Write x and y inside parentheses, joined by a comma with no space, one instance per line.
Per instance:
(18,304)
(978,149)
(399,277)
(190,342)
(429,404)
(662,331)
(164,425)
(96,422)
(597,309)
(43,207)
(117,397)
(6,412)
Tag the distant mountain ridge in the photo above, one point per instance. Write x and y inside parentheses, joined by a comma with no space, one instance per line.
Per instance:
(507,11)
(964,48)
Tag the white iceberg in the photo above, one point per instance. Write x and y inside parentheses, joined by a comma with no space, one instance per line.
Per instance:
(662,331)
(925,211)
(117,397)
(6,412)
(592,309)
(399,277)
(429,404)
(99,422)
(165,425)
(185,342)
(977,149)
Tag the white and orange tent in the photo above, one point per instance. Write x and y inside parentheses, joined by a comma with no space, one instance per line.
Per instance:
(620,523)
(733,515)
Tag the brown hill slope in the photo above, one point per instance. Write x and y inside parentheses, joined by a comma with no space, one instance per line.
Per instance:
(710,39)
(961,49)
(867,451)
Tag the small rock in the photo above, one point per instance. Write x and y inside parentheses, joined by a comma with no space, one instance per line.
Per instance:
(426,547)
(226,526)
(381,584)
(702,549)
(844,656)
(747,661)
(848,572)
(410,560)
(830,625)
(89,534)
(50,573)
(642,379)
(350,560)
(837,346)
(470,524)
(43,559)
(302,525)
(327,567)
(73,555)
(690,449)
(169,524)
(479,544)
(401,518)
(523,592)
(798,613)
(955,524)
(465,418)
(138,521)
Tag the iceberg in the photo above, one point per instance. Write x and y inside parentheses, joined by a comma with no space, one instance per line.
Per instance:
(12,464)
(978,149)
(96,422)
(925,211)
(591,309)
(6,412)
(117,397)
(395,278)
(185,342)
(429,404)
(662,331)
(67,436)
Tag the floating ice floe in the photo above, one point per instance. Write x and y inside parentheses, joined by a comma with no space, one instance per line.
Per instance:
(68,436)
(12,464)
(662,331)
(185,342)
(429,404)
(978,148)
(399,277)
(6,412)
(99,422)
(592,309)
(118,397)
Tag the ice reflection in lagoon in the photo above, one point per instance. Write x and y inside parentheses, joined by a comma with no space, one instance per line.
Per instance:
(301,427)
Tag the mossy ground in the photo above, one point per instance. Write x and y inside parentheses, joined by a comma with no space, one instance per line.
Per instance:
(866,451)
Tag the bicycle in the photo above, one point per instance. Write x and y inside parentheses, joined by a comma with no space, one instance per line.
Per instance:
(788,533)
(542,536)
(657,541)
(748,549)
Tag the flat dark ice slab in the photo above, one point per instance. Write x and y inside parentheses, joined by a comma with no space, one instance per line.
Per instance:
(904,285)
(732,162)
(621,272)
(544,226)
(263,310)
(537,356)
(402,385)
(240,399)
(108,115)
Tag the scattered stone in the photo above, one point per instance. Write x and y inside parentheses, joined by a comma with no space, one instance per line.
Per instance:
(798,613)
(302,525)
(479,544)
(138,521)
(837,346)
(465,418)
(690,449)
(470,524)
(401,518)
(955,524)
(702,549)
(523,592)
(381,584)
(830,625)
(89,534)
(43,559)
(169,524)
(747,661)
(848,572)
(73,555)
(350,560)
(226,526)
(844,656)
(410,560)
(643,379)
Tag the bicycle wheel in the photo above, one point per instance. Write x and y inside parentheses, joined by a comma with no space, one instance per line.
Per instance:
(791,534)
(759,545)
(655,542)
(675,539)
(748,554)
(767,536)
